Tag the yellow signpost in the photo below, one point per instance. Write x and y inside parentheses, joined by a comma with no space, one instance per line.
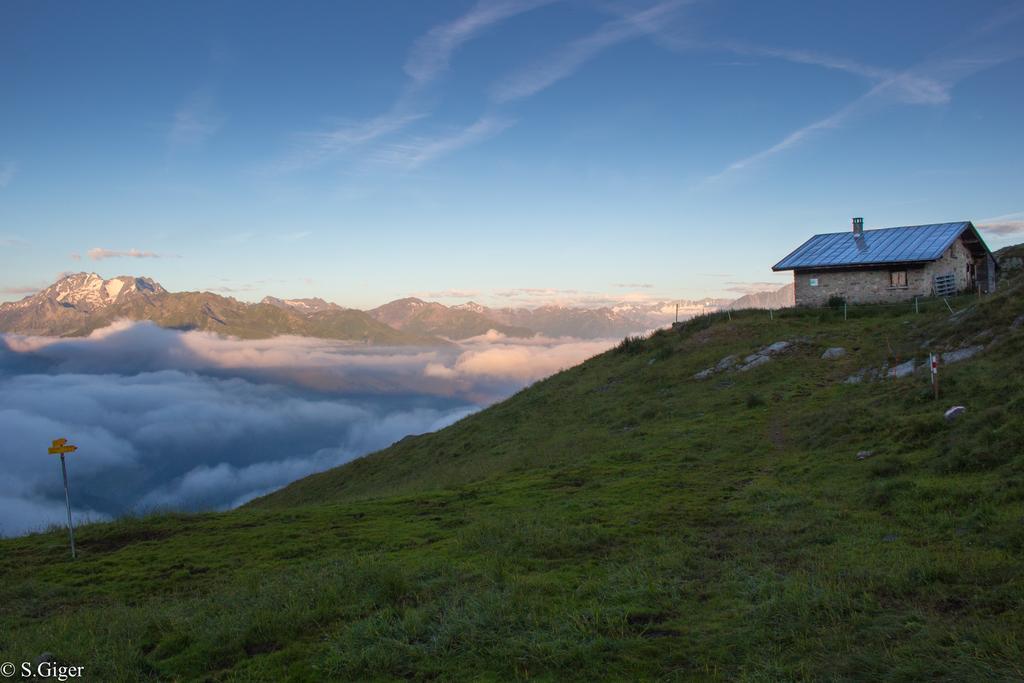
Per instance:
(60,447)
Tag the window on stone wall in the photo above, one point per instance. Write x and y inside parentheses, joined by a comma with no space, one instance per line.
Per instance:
(898,278)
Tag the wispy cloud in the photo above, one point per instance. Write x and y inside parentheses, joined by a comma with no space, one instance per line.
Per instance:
(237,238)
(909,86)
(810,57)
(428,59)
(431,54)
(21,290)
(632,285)
(8,170)
(238,289)
(543,292)
(1003,226)
(6,241)
(569,59)
(418,151)
(753,287)
(785,143)
(929,83)
(531,297)
(312,149)
(196,120)
(447,294)
(99,254)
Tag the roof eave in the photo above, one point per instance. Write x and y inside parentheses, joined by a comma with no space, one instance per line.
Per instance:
(849,266)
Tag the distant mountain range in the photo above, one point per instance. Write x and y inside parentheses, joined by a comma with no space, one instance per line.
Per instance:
(79,303)
(783,297)
(455,322)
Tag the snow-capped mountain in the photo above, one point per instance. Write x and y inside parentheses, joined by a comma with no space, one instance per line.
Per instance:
(473,307)
(89,292)
(311,305)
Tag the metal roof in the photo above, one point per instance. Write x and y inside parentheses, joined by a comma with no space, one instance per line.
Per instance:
(908,244)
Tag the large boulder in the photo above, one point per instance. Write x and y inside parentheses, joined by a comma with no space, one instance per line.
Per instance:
(777,347)
(903,369)
(726,363)
(960,354)
(753,361)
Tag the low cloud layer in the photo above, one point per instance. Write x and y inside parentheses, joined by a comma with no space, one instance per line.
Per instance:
(189,420)
(100,254)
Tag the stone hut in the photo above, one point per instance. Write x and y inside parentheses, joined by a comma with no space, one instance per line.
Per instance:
(890,265)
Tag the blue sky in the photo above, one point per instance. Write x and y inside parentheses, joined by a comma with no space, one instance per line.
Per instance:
(509,151)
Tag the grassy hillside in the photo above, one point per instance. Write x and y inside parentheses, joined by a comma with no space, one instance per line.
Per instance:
(620,520)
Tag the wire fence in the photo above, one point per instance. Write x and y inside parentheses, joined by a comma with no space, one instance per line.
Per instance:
(843,310)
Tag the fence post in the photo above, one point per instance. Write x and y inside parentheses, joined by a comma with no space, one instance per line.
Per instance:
(844,310)
(916,309)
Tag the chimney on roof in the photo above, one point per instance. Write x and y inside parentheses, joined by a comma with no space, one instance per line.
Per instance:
(858,226)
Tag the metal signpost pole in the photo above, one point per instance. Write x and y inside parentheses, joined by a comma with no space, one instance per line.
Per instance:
(67,499)
(61,447)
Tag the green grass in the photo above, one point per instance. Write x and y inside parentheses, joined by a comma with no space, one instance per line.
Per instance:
(619,520)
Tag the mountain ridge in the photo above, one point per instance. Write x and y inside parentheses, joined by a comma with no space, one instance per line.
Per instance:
(80,303)
(431,317)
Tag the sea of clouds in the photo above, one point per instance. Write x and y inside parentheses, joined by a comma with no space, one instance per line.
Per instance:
(188,420)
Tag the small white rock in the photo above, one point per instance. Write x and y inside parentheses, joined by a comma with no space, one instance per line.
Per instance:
(955,412)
